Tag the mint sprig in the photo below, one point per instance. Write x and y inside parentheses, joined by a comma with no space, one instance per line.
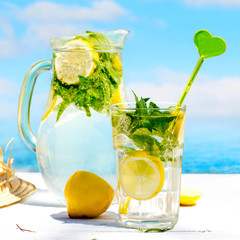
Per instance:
(95,91)
(148,127)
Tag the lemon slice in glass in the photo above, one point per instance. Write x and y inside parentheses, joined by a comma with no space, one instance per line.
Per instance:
(179,128)
(77,59)
(141,175)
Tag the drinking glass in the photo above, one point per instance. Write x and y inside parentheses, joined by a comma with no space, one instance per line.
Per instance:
(149,148)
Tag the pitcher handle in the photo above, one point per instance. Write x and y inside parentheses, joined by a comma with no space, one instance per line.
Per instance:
(25,102)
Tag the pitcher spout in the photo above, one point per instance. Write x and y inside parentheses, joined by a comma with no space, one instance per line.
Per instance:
(118,37)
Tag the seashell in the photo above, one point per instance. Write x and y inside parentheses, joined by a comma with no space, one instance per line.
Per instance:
(12,188)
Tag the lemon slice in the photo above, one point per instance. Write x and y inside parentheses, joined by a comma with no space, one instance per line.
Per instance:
(117,63)
(189,196)
(179,129)
(51,103)
(49,108)
(119,95)
(116,97)
(141,175)
(77,59)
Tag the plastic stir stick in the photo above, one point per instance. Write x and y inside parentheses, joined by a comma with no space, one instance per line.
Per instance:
(208,46)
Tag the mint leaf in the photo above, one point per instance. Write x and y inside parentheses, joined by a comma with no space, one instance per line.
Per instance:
(128,150)
(141,106)
(149,128)
(61,109)
(136,98)
(146,143)
(141,131)
(162,123)
(153,105)
(98,40)
(97,90)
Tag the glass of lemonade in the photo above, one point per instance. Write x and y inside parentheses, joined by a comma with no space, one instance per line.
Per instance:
(148,140)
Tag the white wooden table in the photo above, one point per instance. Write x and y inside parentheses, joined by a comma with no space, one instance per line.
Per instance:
(216,216)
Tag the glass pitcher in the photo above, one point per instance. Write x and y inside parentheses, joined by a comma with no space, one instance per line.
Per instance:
(75,131)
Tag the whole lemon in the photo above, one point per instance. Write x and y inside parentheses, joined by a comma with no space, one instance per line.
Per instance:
(87,195)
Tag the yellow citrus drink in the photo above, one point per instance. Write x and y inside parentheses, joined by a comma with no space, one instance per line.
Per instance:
(149,147)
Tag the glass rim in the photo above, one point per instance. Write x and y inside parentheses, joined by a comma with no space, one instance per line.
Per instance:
(172,106)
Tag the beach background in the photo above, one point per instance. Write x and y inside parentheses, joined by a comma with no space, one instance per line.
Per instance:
(158,59)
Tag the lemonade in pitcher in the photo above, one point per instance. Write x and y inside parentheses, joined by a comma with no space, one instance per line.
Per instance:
(75,131)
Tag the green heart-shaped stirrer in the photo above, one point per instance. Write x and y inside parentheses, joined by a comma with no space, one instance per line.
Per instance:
(208,46)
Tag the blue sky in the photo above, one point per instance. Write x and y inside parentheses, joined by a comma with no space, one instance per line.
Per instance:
(159,51)
(158,58)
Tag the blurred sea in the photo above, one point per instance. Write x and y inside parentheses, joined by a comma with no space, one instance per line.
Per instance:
(211,146)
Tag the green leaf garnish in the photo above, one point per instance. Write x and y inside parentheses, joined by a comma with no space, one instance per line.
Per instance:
(95,91)
(148,127)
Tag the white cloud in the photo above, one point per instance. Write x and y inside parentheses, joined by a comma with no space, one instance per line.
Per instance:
(9,97)
(7,39)
(104,10)
(7,88)
(37,35)
(44,20)
(229,3)
(208,97)
(8,111)
(8,48)
(8,102)
(6,28)
(201,3)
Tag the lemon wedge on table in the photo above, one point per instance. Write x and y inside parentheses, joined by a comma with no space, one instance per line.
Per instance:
(77,59)
(189,196)
(141,175)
